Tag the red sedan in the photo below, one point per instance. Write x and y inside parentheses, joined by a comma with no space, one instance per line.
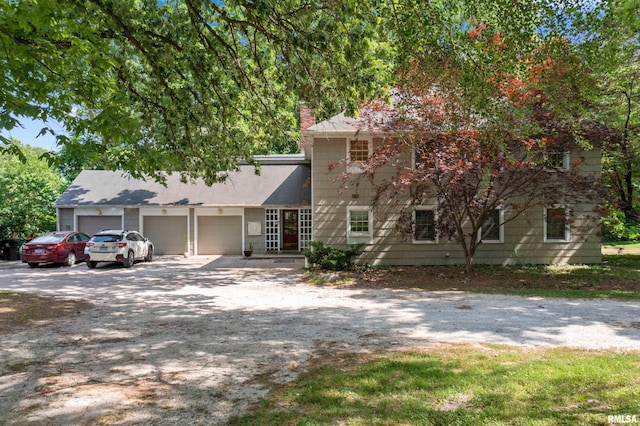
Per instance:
(58,247)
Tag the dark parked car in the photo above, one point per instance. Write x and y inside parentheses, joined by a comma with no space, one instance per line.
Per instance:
(58,247)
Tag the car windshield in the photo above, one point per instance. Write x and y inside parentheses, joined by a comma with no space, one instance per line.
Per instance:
(48,238)
(106,238)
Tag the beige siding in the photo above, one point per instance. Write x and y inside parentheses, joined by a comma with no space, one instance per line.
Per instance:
(132,219)
(65,220)
(589,160)
(523,237)
(258,241)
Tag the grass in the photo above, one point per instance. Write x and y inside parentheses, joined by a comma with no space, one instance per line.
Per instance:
(569,294)
(623,244)
(618,277)
(628,261)
(458,385)
(469,384)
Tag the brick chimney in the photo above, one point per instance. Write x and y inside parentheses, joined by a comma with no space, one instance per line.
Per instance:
(306,117)
(306,120)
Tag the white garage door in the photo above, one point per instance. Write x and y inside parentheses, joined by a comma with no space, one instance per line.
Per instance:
(168,234)
(92,224)
(220,235)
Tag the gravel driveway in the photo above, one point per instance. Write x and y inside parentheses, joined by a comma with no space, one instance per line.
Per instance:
(193,341)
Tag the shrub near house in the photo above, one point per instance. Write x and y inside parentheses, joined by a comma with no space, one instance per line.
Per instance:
(333,258)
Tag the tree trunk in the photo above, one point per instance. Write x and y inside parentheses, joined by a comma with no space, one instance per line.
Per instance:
(469,254)
(628,163)
(628,209)
(468,264)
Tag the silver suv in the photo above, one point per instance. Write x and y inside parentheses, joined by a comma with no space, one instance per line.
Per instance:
(116,245)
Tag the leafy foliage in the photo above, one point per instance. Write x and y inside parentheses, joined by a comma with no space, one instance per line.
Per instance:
(616,227)
(600,37)
(482,125)
(617,102)
(27,194)
(333,258)
(80,153)
(185,85)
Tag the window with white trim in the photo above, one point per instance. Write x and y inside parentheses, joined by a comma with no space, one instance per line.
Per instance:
(359,224)
(358,151)
(556,224)
(492,230)
(558,159)
(424,225)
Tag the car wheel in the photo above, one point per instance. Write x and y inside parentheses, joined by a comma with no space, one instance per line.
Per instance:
(33,264)
(149,257)
(92,264)
(71,259)
(128,261)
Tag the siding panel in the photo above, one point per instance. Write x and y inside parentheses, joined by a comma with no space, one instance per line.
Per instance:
(523,237)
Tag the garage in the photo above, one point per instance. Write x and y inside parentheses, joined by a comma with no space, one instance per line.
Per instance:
(92,224)
(168,233)
(220,235)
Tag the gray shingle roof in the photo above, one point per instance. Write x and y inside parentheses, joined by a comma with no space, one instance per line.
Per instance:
(277,185)
(337,123)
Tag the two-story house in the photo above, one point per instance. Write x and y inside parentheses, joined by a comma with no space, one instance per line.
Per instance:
(296,199)
(548,234)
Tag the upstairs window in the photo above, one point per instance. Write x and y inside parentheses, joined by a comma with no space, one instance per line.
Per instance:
(557,159)
(358,151)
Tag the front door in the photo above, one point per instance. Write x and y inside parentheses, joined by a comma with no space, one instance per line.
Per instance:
(289,229)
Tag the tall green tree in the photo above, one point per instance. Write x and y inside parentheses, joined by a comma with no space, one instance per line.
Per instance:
(442,38)
(614,60)
(185,85)
(81,153)
(443,147)
(486,92)
(620,104)
(28,190)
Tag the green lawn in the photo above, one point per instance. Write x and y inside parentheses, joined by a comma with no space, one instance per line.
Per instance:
(470,384)
(458,385)
(623,244)
(618,277)
(630,262)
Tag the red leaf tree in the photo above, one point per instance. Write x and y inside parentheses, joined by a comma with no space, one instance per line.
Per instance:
(469,154)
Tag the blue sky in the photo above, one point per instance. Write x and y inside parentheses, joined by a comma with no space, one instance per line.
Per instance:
(27,134)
